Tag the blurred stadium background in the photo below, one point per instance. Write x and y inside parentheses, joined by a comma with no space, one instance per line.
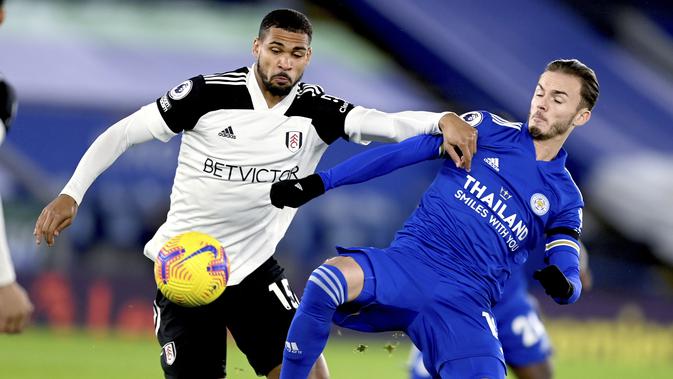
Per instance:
(79,66)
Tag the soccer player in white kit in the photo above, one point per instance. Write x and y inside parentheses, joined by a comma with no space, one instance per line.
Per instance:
(242,131)
(15,306)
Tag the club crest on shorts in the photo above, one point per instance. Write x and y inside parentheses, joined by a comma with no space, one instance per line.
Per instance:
(539,204)
(169,353)
(293,141)
(181,90)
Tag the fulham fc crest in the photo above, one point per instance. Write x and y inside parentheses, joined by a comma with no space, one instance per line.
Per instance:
(293,141)
(169,353)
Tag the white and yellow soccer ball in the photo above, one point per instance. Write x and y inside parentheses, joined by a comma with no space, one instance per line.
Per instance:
(191,269)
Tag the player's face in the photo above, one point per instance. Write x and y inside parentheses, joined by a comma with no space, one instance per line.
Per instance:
(555,107)
(282,57)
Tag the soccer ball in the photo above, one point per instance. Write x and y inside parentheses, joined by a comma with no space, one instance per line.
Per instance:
(191,269)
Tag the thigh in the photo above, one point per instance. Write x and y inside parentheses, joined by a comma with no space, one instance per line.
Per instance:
(454,326)
(368,313)
(193,340)
(260,313)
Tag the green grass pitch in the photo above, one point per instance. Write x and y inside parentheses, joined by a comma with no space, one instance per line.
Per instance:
(40,353)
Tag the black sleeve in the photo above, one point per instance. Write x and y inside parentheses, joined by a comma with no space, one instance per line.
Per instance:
(328,113)
(7,103)
(183,106)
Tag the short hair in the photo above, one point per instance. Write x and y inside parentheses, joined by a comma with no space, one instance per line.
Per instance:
(574,67)
(286,19)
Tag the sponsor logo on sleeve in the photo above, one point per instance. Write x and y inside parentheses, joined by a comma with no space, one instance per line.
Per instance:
(165,103)
(472,118)
(181,90)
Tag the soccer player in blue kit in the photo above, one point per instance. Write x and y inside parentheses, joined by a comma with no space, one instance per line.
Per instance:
(446,268)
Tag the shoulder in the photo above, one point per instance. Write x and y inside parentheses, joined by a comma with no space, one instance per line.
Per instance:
(315,96)
(226,79)
(484,119)
(183,105)
(327,113)
(568,191)
(227,89)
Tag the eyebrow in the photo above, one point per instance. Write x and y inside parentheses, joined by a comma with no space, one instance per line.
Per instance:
(282,45)
(554,91)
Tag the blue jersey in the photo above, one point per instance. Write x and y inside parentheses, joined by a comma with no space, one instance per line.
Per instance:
(473,226)
(447,266)
(491,216)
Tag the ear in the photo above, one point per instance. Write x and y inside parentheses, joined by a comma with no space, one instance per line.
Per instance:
(309,53)
(582,117)
(256,46)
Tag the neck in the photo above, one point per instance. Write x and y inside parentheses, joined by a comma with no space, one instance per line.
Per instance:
(544,151)
(548,149)
(271,99)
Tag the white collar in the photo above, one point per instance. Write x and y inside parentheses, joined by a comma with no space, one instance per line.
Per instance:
(258,101)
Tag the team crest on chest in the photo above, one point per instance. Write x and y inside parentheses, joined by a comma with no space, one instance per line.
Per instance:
(294,141)
(539,204)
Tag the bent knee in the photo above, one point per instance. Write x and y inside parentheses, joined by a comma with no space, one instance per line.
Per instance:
(352,272)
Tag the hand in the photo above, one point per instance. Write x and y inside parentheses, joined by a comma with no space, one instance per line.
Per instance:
(296,192)
(15,308)
(554,282)
(55,217)
(459,138)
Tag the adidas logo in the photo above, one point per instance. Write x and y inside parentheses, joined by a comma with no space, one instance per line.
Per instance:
(494,163)
(292,347)
(227,132)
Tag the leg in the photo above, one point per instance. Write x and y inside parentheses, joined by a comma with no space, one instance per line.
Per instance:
(339,280)
(473,368)
(264,307)
(523,337)
(319,370)
(193,340)
(542,370)
(417,369)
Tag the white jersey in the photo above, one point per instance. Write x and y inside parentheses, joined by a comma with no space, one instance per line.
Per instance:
(234,147)
(7,112)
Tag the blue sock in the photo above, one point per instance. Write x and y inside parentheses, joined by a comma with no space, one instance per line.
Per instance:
(325,290)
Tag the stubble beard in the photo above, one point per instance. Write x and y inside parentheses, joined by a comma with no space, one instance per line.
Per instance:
(556,129)
(274,89)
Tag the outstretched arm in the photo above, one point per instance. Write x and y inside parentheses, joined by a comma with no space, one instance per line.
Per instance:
(460,139)
(362,167)
(139,127)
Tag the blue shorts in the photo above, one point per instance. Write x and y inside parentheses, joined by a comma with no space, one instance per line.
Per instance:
(522,334)
(440,316)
